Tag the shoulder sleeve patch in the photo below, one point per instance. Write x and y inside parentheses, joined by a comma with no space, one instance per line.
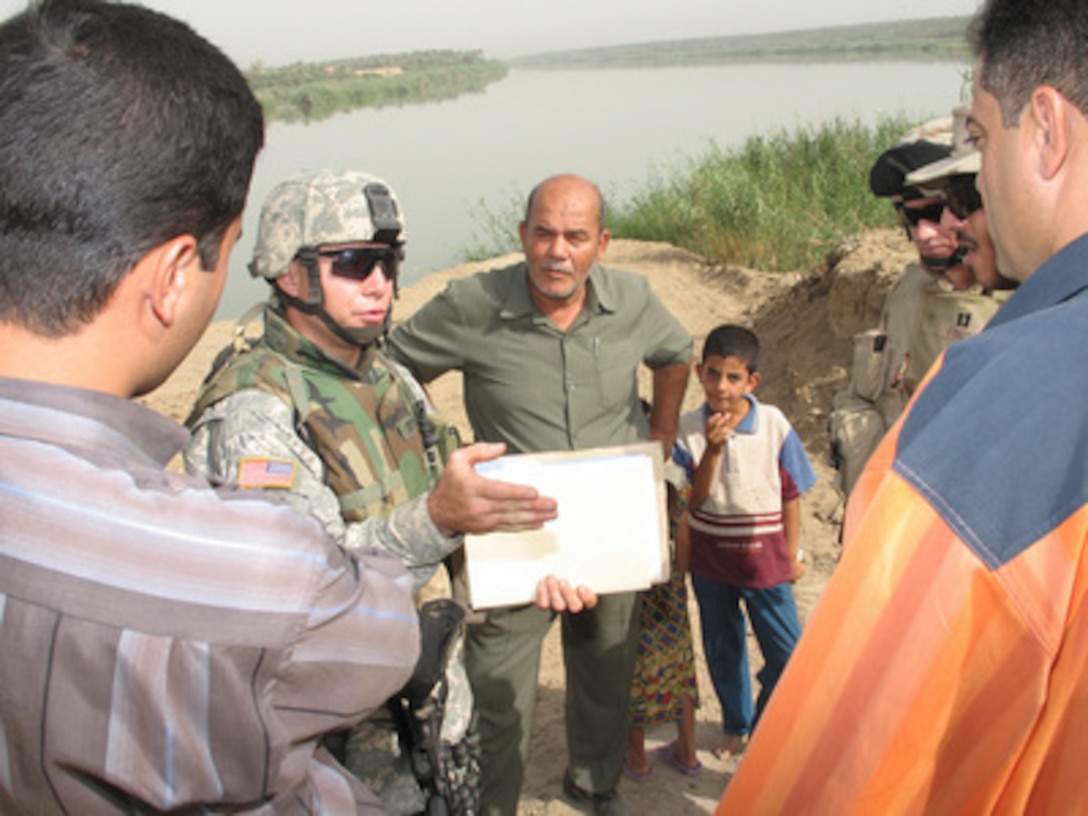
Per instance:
(266,473)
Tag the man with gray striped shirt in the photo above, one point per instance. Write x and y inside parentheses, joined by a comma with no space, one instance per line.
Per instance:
(164,646)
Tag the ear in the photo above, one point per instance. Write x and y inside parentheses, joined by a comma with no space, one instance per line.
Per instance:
(753,381)
(603,241)
(291,283)
(522,232)
(171,267)
(1048,111)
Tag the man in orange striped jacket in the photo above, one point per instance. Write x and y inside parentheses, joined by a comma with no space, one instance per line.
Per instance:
(945,670)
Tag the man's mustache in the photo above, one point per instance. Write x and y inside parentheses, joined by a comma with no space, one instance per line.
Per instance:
(967,241)
(552,266)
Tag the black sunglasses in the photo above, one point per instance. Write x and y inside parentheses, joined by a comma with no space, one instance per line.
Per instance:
(358,263)
(913,216)
(962,196)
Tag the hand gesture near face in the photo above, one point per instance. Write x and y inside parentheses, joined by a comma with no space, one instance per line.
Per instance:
(718,427)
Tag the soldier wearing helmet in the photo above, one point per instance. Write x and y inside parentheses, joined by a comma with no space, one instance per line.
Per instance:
(332,231)
(313,410)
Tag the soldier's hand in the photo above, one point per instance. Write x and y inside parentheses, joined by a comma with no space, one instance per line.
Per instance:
(559,596)
(463,501)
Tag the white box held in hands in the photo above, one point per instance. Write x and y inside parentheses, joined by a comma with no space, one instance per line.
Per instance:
(611,534)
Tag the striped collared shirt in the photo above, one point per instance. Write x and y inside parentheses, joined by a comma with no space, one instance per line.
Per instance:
(165,645)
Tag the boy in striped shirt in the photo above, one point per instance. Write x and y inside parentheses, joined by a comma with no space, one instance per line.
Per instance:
(748,470)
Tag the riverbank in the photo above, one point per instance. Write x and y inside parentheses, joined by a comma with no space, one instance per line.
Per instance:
(935,38)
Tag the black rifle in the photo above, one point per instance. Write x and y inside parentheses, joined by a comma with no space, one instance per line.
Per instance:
(449,775)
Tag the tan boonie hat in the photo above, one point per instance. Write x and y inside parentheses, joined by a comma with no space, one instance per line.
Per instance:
(323,207)
(938,131)
(965,158)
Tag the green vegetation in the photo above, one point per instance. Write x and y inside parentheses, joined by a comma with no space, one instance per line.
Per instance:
(942,38)
(314,91)
(780,202)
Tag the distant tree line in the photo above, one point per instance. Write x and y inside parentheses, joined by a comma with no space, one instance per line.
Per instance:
(314,91)
(940,38)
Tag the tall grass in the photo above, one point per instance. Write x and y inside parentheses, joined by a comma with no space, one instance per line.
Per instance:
(779,202)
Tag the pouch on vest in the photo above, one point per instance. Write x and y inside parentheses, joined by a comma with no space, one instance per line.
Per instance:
(869,375)
(855,428)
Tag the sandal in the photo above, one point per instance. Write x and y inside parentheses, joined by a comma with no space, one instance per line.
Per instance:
(636,775)
(666,753)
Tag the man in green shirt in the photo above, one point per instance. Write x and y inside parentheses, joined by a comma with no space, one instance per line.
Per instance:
(549,349)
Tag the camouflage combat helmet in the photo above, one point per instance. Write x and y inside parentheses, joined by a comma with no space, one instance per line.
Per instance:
(325,207)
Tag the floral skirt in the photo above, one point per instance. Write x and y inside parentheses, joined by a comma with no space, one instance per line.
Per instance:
(665,668)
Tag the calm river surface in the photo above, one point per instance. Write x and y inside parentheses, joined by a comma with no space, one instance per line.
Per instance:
(617,127)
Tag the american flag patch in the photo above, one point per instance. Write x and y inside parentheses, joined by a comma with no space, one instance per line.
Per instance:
(266,473)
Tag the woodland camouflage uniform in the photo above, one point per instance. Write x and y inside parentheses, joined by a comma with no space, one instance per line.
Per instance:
(363,423)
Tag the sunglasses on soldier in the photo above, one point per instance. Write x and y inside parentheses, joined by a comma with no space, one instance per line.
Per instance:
(913,216)
(357,263)
(963,196)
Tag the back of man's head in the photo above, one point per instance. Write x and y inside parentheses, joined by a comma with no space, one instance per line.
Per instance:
(120,128)
(1027,43)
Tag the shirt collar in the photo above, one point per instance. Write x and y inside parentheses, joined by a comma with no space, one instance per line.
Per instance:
(88,422)
(1061,277)
(519,302)
(749,424)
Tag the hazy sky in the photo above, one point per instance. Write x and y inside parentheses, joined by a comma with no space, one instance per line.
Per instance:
(283,31)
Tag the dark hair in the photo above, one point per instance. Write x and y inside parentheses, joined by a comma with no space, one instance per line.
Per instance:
(733,341)
(1023,44)
(596,189)
(120,128)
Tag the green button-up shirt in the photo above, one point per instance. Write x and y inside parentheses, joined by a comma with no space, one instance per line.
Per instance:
(531,385)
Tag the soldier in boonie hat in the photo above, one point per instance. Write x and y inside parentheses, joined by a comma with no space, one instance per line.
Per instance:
(954,179)
(962,159)
(879,385)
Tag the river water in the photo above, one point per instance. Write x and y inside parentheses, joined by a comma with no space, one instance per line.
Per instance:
(617,127)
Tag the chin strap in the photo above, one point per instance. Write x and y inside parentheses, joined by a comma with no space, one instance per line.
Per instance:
(938,266)
(935,265)
(315,305)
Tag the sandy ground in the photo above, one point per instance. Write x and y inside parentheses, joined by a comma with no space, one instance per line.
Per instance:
(804,323)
